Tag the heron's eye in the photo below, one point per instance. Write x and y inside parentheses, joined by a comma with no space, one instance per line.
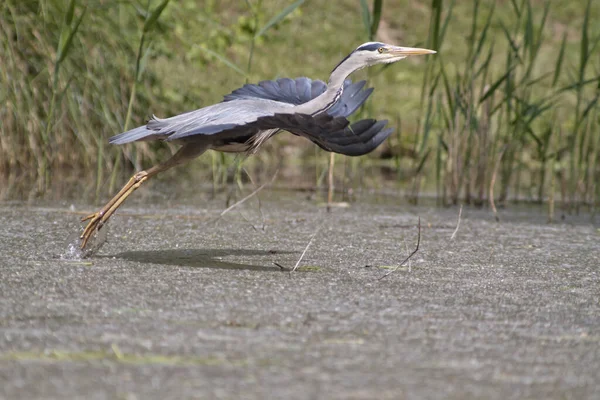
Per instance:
(380,49)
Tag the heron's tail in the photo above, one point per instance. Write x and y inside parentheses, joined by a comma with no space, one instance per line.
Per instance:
(139,133)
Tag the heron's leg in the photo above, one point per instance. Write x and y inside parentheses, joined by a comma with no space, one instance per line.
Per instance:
(98,219)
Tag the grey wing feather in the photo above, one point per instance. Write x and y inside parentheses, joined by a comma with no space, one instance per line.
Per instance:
(209,120)
(304,88)
(289,86)
(139,133)
(316,88)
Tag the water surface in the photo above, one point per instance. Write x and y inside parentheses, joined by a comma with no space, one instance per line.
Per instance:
(181,303)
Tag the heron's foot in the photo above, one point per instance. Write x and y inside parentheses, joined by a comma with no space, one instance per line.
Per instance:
(93,226)
(98,219)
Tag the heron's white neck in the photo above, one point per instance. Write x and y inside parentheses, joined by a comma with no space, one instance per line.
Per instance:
(334,90)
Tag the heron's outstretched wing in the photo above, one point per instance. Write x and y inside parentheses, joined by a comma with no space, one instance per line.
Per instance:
(244,106)
(360,138)
(242,120)
(330,133)
(301,90)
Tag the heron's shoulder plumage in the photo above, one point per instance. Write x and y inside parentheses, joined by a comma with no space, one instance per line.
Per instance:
(301,90)
(293,91)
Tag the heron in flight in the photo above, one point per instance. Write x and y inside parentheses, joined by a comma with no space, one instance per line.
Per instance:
(252,114)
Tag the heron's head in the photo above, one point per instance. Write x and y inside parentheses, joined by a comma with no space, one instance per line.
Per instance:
(380,53)
(372,53)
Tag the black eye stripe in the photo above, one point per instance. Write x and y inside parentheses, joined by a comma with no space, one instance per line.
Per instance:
(370,47)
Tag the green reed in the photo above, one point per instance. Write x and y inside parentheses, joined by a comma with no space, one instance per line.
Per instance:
(499,112)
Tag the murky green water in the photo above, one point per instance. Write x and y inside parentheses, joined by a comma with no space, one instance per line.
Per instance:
(180,303)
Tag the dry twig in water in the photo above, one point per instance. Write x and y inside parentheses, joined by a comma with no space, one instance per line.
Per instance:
(281,267)
(457,224)
(301,255)
(305,249)
(493,182)
(410,255)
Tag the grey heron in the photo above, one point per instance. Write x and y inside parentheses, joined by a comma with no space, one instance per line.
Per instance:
(250,115)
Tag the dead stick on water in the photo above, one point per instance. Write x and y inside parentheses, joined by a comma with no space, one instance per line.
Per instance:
(408,263)
(409,256)
(493,182)
(281,267)
(306,249)
(457,224)
(302,255)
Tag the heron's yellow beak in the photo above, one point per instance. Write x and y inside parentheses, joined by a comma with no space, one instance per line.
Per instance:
(409,51)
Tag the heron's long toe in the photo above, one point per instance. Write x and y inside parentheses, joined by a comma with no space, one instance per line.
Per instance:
(90,216)
(93,226)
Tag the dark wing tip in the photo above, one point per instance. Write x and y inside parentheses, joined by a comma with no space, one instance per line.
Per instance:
(358,139)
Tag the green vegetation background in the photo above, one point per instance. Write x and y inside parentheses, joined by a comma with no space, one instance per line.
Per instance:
(509,103)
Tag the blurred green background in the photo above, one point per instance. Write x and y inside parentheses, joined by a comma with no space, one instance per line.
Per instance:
(507,109)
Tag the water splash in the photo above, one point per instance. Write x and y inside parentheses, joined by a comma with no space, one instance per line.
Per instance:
(73,249)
